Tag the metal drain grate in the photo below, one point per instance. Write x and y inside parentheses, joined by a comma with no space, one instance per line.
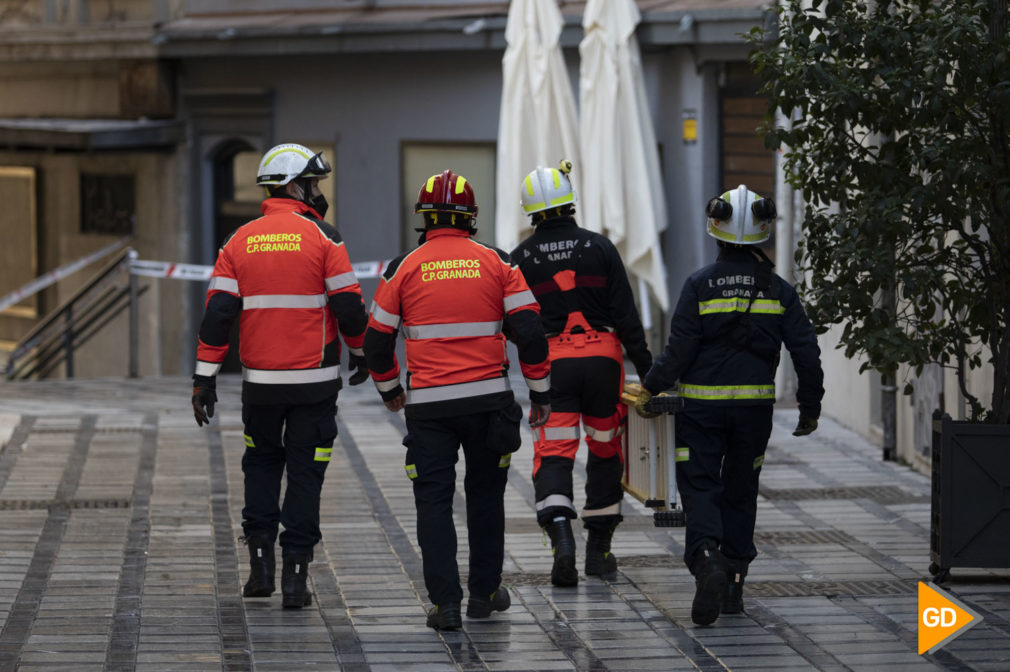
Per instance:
(35,504)
(882,494)
(829,588)
(791,537)
(528,525)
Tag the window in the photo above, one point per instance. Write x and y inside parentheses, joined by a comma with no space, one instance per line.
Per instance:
(474,161)
(108,204)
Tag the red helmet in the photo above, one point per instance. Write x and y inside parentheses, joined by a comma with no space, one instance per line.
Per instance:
(446,192)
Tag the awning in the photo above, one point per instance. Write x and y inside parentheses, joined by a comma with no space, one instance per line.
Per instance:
(89,134)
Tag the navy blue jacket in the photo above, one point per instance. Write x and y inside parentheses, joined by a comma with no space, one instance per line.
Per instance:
(724,348)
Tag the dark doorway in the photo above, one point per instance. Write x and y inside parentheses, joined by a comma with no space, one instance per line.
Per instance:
(236,202)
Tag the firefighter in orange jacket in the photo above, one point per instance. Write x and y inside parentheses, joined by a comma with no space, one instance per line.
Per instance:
(453,298)
(588,312)
(288,276)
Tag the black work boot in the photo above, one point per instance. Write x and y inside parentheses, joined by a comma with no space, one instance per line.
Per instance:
(296,570)
(599,560)
(563,573)
(480,607)
(710,581)
(732,602)
(262,567)
(445,617)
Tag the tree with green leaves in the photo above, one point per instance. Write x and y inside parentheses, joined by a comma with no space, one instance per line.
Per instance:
(900,148)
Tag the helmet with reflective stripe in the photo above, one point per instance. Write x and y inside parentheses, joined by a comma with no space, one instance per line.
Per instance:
(740,217)
(446,192)
(289,161)
(547,188)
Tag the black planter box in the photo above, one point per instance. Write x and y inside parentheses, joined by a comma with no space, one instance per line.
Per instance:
(970,521)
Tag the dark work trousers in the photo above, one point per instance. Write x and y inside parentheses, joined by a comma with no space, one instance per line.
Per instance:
(432,453)
(585,400)
(298,438)
(718,483)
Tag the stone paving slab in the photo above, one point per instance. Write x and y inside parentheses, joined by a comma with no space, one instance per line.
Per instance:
(119,550)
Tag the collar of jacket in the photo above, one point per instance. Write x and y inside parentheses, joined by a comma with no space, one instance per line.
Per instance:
(735,253)
(557,222)
(444,231)
(280,206)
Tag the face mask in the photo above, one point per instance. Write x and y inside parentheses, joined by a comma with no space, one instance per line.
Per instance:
(319,204)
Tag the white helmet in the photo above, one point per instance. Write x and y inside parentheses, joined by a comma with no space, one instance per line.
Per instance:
(283,163)
(740,217)
(547,188)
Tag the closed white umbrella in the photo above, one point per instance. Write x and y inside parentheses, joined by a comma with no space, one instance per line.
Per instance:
(622,191)
(537,124)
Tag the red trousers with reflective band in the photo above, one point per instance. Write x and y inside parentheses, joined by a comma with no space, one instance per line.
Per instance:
(587,375)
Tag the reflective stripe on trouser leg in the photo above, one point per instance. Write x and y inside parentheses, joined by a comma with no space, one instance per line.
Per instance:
(604,436)
(553,458)
(558,438)
(604,469)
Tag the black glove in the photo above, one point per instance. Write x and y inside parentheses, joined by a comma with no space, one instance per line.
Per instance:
(357,362)
(204,398)
(805,426)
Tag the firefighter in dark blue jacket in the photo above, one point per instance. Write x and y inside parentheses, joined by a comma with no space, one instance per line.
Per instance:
(725,338)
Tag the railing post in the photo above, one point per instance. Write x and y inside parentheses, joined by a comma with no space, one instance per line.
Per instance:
(68,340)
(134,315)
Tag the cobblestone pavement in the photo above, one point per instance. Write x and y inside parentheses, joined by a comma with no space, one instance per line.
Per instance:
(119,550)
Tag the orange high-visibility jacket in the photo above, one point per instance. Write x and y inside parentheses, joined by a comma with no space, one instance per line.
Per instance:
(451,298)
(289,276)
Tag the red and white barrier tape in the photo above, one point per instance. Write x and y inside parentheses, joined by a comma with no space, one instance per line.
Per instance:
(167,269)
(153,269)
(54,276)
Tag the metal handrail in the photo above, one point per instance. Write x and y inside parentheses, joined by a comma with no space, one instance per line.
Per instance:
(75,321)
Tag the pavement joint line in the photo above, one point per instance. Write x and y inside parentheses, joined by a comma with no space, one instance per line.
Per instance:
(944,658)
(331,603)
(811,651)
(10,452)
(680,637)
(125,635)
(563,635)
(461,649)
(234,635)
(18,626)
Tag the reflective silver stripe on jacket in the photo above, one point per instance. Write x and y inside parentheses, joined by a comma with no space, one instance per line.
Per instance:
(459,391)
(283,301)
(539,384)
(452,330)
(386,385)
(561,433)
(724,392)
(382,317)
(224,284)
(291,376)
(601,435)
(340,281)
(207,368)
(523,298)
(555,500)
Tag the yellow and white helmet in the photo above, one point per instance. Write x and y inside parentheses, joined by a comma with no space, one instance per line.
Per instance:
(740,217)
(283,163)
(547,188)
